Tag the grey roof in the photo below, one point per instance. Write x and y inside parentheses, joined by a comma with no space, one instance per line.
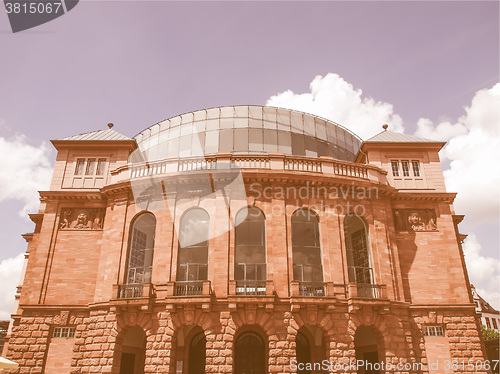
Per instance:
(396,137)
(106,135)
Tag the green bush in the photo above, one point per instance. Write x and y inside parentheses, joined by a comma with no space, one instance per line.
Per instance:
(489,334)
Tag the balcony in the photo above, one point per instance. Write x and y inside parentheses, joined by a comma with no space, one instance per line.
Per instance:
(312,289)
(251,288)
(272,161)
(133,291)
(367,291)
(189,288)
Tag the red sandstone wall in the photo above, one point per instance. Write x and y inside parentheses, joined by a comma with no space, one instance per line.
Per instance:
(59,355)
(74,267)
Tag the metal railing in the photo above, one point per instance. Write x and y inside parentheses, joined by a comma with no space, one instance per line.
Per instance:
(130,291)
(188,288)
(312,288)
(251,287)
(369,291)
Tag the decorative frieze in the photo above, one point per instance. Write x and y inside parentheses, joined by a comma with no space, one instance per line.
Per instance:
(81,219)
(415,220)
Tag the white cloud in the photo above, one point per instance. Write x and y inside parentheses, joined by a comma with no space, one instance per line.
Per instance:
(484,272)
(335,99)
(25,169)
(473,150)
(10,273)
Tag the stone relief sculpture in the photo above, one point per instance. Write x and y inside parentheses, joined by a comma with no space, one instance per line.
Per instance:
(415,220)
(81,219)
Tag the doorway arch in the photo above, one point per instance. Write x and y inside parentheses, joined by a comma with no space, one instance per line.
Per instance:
(368,350)
(197,354)
(133,351)
(250,354)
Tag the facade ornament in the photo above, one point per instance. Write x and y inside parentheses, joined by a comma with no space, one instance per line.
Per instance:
(415,220)
(81,219)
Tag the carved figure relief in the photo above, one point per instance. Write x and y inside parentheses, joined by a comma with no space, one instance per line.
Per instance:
(415,220)
(81,219)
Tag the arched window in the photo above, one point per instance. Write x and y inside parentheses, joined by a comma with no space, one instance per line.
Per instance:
(306,253)
(358,257)
(192,263)
(249,354)
(250,252)
(140,256)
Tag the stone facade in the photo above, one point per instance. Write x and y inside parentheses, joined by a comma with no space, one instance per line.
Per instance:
(358,263)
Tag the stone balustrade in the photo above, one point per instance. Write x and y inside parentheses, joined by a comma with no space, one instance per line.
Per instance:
(272,161)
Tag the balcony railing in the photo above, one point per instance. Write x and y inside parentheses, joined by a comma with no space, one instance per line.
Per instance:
(251,287)
(130,291)
(273,161)
(188,288)
(312,289)
(367,291)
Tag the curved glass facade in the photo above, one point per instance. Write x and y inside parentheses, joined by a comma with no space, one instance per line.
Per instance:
(247,130)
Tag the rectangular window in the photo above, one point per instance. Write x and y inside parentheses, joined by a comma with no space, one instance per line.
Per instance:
(64,332)
(395,168)
(495,326)
(433,331)
(80,164)
(488,324)
(91,163)
(416,168)
(101,164)
(406,168)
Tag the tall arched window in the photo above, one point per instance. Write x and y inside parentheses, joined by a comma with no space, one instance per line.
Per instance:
(140,256)
(192,263)
(306,253)
(358,257)
(250,252)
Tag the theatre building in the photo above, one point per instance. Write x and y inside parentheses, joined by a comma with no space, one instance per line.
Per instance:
(245,239)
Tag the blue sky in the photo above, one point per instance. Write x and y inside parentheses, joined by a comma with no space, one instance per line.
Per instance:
(135,63)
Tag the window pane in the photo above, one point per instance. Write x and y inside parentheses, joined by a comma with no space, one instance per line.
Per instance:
(395,168)
(91,164)
(101,164)
(416,168)
(306,250)
(80,164)
(250,248)
(141,249)
(406,168)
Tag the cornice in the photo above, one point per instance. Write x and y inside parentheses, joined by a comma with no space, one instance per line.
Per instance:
(425,196)
(70,195)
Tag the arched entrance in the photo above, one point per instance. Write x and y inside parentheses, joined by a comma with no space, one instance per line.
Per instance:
(189,355)
(303,352)
(133,351)
(310,349)
(197,354)
(249,354)
(367,350)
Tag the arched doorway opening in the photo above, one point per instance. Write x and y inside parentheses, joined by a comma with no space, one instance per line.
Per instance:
(133,351)
(190,350)
(250,354)
(367,350)
(303,353)
(197,354)
(310,349)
